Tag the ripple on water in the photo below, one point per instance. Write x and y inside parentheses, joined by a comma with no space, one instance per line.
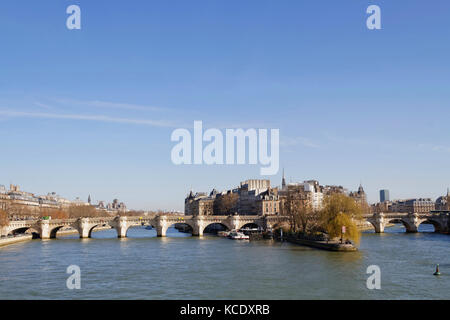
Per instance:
(183,267)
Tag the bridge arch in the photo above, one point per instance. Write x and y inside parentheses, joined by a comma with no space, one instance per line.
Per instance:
(170,224)
(92,227)
(374,225)
(250,225)
(55,230)
(438,227)
(22,230)
(223,224)
(140,224)
(19,230)
(408,226)
(256,222)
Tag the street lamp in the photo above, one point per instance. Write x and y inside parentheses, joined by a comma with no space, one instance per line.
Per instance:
(342,233)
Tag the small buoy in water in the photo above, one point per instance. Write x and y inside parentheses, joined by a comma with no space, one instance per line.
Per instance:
(437,273)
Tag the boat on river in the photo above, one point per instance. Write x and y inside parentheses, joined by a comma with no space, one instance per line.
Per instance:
(235,235)
(223,233)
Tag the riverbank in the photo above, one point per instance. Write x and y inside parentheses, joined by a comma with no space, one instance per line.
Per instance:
(11,240)
(323,245)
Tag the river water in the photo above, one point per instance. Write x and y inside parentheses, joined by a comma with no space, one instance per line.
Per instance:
(179,266)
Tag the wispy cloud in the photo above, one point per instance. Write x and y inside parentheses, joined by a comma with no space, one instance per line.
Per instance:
(235,125)
(108,105)
(43,105)
(100,118)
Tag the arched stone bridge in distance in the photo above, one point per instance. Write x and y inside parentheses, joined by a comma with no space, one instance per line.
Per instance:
(47,229)
(411,221)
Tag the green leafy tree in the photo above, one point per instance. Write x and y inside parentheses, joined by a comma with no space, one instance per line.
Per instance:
(340,210)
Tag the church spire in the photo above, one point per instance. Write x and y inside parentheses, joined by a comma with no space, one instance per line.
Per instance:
(89,199)
(283,181)
(360,188)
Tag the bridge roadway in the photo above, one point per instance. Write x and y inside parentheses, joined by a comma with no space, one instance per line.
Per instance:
(47,229)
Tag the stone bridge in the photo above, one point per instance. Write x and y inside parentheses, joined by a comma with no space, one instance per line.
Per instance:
(47,229)
(411,221)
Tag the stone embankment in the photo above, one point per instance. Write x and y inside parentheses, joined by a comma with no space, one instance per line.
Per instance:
(11,240)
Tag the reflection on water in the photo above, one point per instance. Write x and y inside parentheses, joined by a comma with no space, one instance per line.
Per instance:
(179,266)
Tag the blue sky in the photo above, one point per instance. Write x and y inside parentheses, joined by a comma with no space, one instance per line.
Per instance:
(91,111)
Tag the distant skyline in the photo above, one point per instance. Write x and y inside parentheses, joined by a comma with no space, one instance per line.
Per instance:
(91,111)
(93,200)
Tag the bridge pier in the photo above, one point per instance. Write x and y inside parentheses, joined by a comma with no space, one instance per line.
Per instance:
(160,232)
(121,232)
(122,227)
(234,222)
(199,226)
(412,229)
(84,234)
(161,226)
(378,222)
(445,220)
(197,232)
(379,227)
(83,227)
(44,229)
(412,223)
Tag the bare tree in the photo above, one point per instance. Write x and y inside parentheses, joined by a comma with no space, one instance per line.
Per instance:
(55,213)
(132,213)
(4,221)
(76,211)
(297,206)
(224,204)
(19,210)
